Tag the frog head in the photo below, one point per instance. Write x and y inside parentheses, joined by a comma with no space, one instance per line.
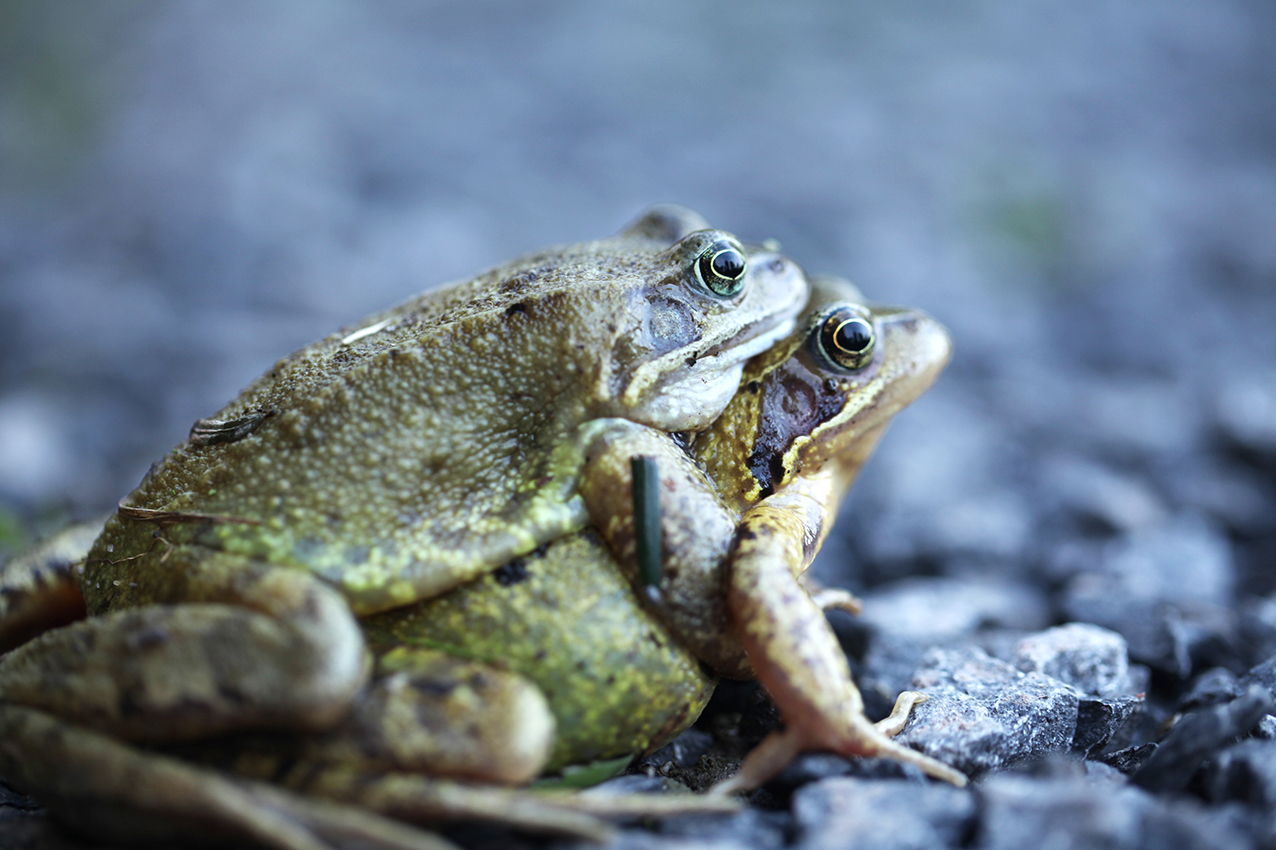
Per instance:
(690,305)
(827,392)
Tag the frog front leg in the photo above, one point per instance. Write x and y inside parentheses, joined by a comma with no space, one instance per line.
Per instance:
(695,529)
(793,650)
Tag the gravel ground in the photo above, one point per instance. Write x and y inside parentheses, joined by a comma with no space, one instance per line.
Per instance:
(1085,195)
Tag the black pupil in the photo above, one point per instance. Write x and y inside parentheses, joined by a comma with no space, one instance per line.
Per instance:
(853,335)
(728,263)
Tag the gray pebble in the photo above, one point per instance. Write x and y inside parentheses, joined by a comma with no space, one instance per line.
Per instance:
(1187,560)
(1106,722)
(936,609)
(1092,659)
(1214,686)
(1263,675)
(1196,736)
(1266,728)
(984,714)
(846,811)
(1161,634)
(1245,772)
(1099,495)
(1246,412)
(1067,812)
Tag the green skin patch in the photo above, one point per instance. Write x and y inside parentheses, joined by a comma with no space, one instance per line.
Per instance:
(567,619)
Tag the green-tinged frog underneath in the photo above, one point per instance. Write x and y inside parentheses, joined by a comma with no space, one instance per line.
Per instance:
(219,608)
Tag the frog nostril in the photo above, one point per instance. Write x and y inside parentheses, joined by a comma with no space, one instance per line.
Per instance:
(777,265)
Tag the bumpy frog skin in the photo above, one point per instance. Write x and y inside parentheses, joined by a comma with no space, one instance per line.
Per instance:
(440,439)
(611,676)
(809,413)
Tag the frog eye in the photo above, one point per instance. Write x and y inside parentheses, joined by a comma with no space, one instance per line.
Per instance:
(845,338)
(720,267)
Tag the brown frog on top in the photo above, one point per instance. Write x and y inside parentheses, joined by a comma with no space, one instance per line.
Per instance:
(378,467)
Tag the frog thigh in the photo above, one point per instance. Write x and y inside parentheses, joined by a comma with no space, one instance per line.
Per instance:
(39,588)
(429,712)
(797,656)
(566,618)
(277,648)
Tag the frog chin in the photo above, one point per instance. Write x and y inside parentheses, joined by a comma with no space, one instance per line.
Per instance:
(691,397)
(705,391)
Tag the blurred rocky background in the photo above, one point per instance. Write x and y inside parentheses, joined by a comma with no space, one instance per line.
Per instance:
(1084,193)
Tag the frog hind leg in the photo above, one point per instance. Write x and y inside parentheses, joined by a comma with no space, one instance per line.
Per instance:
(271,648)
(430,719)
(358,780)
(430,712)
(798,659)
(428,724)
(39,588)
(103,787)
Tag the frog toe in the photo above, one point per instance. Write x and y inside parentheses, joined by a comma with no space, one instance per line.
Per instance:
(836,599)
(893,724)
(859,738)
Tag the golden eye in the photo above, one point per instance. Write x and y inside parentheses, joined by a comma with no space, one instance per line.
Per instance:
(845,338)
(720,267)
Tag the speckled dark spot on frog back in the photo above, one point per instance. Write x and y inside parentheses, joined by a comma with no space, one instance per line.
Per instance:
(518,284)
(515,572)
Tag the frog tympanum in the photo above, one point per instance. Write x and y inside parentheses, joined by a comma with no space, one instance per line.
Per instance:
(380,550)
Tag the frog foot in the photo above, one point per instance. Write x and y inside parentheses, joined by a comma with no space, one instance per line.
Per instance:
(859,737)
(39,589)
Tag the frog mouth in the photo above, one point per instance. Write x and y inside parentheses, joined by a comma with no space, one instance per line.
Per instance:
(691,396)
(747,343)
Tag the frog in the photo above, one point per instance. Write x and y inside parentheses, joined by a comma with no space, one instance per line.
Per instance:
(476,622)
(774,469)
(398,637)
(389,463)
